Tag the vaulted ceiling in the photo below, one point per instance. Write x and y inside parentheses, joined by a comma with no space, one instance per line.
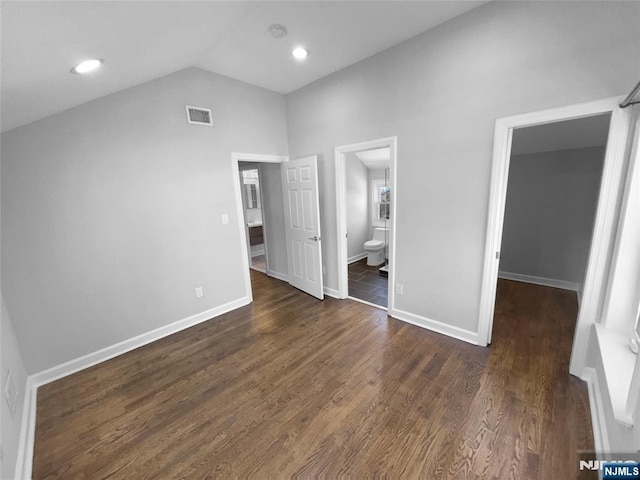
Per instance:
(140,41)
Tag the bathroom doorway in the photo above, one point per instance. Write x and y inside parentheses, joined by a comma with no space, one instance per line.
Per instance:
(365,179)
(254,220)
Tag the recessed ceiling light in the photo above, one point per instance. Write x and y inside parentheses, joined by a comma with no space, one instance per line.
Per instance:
(300,53)
(87,66)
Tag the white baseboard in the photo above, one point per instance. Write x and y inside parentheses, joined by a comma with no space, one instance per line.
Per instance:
(27,435)
(24,459)
(257,252)
(436,326)
(546,282)
(280,276)
(596,405)
(357,257)
(331,292)
(579,294)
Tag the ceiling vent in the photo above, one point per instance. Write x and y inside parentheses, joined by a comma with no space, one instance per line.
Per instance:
(198,116)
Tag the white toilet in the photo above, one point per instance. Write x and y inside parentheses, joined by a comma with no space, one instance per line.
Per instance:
(375,247)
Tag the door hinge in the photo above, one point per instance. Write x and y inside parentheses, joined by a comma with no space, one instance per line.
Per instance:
(497,255)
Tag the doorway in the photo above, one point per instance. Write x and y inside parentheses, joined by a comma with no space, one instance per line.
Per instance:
(365,185)
(250,211)
(254,220)
(603,226)
(290,219)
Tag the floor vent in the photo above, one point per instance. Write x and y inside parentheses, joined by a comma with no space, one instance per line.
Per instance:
(198,116)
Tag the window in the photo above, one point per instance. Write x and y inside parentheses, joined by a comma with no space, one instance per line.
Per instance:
(381,206)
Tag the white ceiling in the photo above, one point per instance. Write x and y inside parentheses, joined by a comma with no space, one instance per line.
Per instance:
(376,158)
(579,133)
(140,41)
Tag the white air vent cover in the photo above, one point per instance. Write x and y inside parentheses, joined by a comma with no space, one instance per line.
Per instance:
(198,116)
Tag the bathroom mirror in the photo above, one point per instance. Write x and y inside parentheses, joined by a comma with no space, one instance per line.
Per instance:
(251,188)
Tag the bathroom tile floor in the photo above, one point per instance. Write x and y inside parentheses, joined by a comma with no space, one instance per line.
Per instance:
(367,284)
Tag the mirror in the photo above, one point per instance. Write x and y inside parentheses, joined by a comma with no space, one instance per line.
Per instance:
(251,188)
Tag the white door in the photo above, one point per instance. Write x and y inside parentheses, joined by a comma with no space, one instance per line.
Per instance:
(302,224)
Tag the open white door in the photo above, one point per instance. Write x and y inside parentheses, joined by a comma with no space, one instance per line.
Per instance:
(302,224)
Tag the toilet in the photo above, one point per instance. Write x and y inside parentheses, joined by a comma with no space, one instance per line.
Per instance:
(375,246)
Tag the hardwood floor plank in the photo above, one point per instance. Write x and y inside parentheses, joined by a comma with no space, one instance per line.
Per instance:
(293,387)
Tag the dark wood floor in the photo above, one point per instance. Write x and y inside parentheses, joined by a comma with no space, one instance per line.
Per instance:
(291,386)
(366,283)
(259,262)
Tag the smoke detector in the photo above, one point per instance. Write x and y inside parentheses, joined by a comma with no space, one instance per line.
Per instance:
(278,31)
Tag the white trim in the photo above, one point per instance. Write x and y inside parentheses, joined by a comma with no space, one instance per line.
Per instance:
(596,405)
(603,231)
(436,326)
(235,169)
(545,282)
(125,346)
(257,253)
(579,295)
(27,434)
(24,459)
(331,292)
(633,170)
(341,217)
(357,258)
(277,275)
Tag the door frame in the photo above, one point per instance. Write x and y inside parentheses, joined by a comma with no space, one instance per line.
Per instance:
(237,157)
(611,186)
(341,213)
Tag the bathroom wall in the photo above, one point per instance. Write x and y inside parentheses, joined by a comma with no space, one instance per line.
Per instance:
(273,211)
(549,213)
(358,216)
(112,212)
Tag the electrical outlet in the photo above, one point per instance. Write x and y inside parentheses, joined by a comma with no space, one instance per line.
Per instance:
(399,289)
(225,219)
(199,292)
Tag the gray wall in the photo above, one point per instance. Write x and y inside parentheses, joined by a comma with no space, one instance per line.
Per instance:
(358,204)
(273,211)
(111,212)
(550,212)
(441,93)
(10,359)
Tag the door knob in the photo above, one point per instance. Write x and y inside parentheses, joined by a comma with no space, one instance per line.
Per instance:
(315,239)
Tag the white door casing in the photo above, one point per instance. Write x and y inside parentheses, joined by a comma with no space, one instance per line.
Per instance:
(302,224)
(596,280)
